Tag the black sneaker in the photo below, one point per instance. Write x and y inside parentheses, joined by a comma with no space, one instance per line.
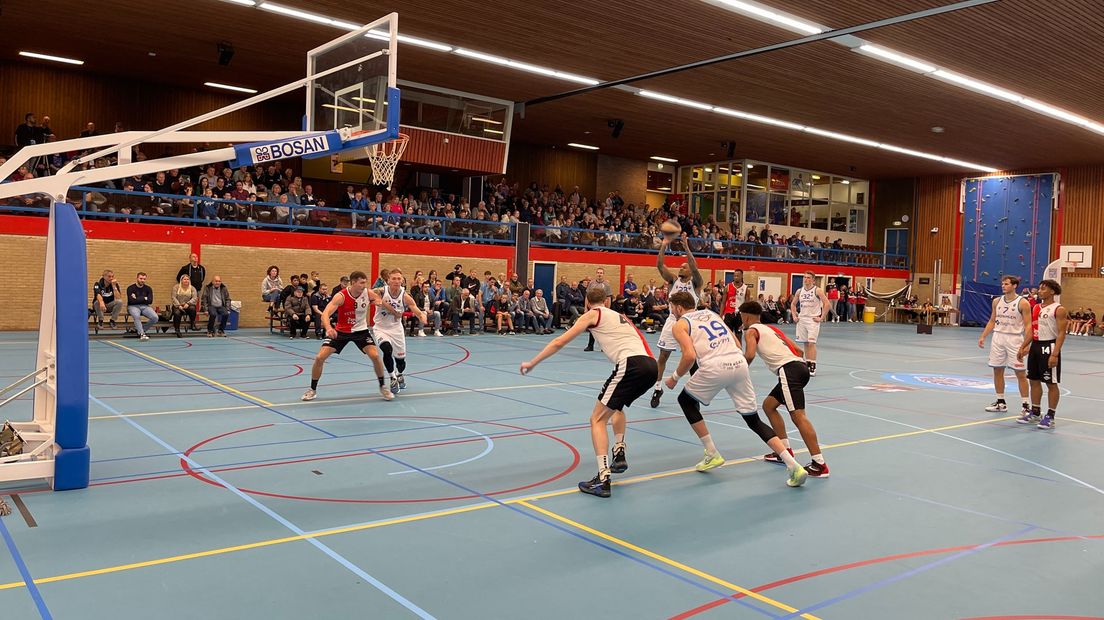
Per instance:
(656,395)
(589,349)
(596,486)
(620,463)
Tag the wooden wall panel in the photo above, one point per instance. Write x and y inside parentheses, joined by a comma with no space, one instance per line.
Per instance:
(547,166)
(72,98)
(1083,218)
(449,150)
(937,207)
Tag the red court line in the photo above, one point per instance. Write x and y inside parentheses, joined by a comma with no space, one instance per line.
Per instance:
(567,470)
(161,369)
(383,450)
(889,558)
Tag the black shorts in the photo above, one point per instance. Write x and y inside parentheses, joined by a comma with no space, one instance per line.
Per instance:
(1037,360)
(733,321)
(630,380)
(361,339)
(790,389)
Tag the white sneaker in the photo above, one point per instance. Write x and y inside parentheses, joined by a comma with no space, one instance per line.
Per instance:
(308,395)
(143,337)
(437,333)
(421,333)
(386,393)
(997,408)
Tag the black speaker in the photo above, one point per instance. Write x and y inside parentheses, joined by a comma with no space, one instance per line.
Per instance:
(616,125)
(225,53)
(731,149)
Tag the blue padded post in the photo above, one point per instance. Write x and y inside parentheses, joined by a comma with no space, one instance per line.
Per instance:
(71,466)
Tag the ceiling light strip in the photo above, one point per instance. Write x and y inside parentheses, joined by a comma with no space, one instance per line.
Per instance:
(239,89)
(68,61)
(583,146)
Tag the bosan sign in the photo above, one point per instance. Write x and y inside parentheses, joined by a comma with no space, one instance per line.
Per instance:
(304,146)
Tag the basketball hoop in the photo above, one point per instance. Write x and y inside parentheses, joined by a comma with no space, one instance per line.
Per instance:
(384,157)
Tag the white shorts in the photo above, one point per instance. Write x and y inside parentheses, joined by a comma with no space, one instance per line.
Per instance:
(393,333)
(733,377)
(667,340)
(807,330)
(1004,349)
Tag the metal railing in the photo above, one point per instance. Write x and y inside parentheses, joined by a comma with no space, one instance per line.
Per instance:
(118,205)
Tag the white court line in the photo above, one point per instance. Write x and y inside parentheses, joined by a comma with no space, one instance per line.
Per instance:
(352,399)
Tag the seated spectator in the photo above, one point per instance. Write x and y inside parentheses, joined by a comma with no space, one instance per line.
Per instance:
(541,315)
(499,310)
(358,207)
(107,297)
(320,217)
(528,320)
(424,299)
(271,286)
(565,291)
(184,299)
(464,307)
(298,312)
(140,304)
(318,302)
(216,300)
(288,291)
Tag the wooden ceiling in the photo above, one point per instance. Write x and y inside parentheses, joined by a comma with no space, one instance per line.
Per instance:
(1046,50)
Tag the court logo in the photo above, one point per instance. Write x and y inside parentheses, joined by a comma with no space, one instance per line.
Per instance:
(957,383)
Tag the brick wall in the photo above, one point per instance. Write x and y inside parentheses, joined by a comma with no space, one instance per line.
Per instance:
(630,176)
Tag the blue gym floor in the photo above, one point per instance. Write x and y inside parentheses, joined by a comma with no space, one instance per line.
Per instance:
(218,494)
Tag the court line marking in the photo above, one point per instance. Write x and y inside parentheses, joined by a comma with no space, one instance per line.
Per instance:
(24,572)
(444,513)
(668,561)
(337,557)
(350,399)
(196,376)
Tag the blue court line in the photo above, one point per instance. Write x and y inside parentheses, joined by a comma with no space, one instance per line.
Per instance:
(525,513)
(905,575)
(356,570)
(24,572)
(976,444)
(983,466)
(218,389)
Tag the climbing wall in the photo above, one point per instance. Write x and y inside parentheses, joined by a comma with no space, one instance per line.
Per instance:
(1006,232)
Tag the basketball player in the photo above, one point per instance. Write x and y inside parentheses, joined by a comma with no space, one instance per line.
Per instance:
(1044,362)
(689,280)
(633,372)
(388,329)
(783,358)
(735,295)
(1010,323)
(706,342)
(810,307)
(351,307)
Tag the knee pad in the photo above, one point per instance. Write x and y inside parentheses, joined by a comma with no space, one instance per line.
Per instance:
(756,424)
(400,364)
(691,408)
(388,361)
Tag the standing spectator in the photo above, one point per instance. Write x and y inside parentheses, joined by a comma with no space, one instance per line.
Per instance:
(541,315)
(843,310)
(833,300)
(860,303)
(288,291)
(271,286)
(139,304)
(216,299)
(29,132)
(298,312)
(195,271)
(183,300)
(107,297)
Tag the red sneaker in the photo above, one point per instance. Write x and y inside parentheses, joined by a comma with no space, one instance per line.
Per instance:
(816,470)
(771,457)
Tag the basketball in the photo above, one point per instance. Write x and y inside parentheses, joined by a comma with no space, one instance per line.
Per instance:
(670,229)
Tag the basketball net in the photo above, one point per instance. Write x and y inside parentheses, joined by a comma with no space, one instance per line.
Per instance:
(384,158)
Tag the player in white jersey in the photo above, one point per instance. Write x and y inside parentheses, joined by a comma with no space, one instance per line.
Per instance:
(1010,323)
(706,342)
(810,308)
(689,280)
(1044,362)
(351,307)
(783,357)
(388,327)
(633,372)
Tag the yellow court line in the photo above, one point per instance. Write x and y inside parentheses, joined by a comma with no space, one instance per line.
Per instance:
(453,511)
(192,374)
(666,560)
(1081,421)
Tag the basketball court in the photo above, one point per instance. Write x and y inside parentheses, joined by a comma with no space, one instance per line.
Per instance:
(185,477)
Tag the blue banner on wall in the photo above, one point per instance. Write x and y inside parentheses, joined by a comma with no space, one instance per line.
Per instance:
(1006,232)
